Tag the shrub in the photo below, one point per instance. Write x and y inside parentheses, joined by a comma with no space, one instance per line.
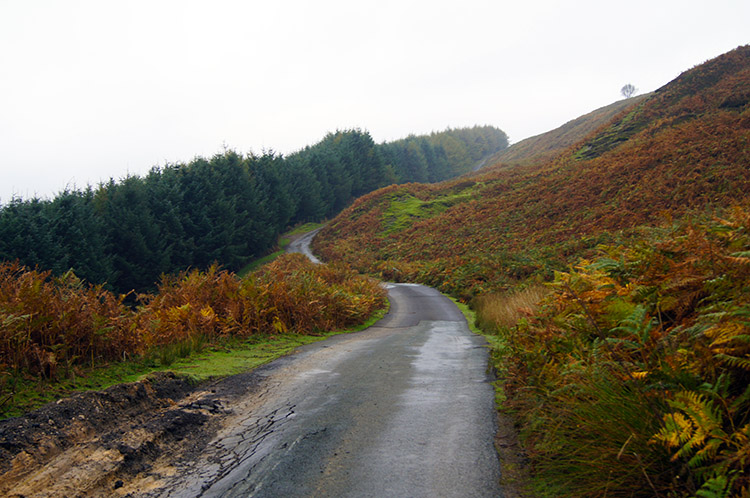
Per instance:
(50,326)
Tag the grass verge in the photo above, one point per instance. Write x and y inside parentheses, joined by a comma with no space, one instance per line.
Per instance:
(497,348)
(514,470)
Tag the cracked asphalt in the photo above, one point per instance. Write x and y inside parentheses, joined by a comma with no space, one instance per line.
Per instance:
(404,408)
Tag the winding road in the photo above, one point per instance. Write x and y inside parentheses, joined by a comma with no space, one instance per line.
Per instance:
(302,243)
(402,409)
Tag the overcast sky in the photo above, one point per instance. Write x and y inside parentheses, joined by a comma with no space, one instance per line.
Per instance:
(93,89)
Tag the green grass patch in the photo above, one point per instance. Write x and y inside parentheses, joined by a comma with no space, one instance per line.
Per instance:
(257,263)
(222,359)
(617,133)
(469,314)
(239,357)
(404,209)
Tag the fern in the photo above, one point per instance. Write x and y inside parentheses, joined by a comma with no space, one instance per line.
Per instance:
(734,361)
(637,325)
(741,401)
(697,430)
(719,486)
(730,340)
(676,432)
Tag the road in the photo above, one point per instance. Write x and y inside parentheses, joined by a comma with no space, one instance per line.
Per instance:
(301,244)
(404,408)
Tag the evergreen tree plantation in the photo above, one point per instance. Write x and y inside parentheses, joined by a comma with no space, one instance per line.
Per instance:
(228,209)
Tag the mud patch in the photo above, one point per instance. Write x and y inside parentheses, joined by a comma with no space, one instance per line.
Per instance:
(57,426)
(94,443)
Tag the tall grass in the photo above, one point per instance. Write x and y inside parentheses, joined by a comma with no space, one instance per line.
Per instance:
(504,310)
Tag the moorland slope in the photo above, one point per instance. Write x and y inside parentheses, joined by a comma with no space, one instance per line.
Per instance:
(554,141)
(685,148)
(611,279)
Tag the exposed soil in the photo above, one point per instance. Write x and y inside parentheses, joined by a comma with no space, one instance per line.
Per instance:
(93,443)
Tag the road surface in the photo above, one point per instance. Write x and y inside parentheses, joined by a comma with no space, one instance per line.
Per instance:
(404,408)
(302,245)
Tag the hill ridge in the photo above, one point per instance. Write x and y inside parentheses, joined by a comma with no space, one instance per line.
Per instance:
(554,141)
(611,279)
(675,151)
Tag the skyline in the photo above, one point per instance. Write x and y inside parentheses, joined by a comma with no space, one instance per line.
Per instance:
(97,90)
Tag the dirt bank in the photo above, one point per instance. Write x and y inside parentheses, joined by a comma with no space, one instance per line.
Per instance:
(93,443)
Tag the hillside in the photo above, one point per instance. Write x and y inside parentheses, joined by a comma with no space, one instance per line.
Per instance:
(546,144)
(683,148)
(611,280)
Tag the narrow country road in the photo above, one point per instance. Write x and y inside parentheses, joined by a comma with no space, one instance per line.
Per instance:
(302,245)
(402,409)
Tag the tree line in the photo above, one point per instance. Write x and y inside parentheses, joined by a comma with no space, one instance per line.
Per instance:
(227,209)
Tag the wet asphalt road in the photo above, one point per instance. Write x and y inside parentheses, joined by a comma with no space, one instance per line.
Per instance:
(302,245)
(403,409)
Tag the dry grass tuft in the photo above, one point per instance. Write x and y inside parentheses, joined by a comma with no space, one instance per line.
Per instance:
(506,309)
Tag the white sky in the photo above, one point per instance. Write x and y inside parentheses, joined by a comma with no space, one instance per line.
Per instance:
(93,89)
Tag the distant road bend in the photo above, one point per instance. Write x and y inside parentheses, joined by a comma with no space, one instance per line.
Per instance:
(301,245)
(402,409)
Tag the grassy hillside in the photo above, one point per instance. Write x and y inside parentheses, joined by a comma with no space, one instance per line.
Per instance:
(612,279)
(555,141)
(686,148)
